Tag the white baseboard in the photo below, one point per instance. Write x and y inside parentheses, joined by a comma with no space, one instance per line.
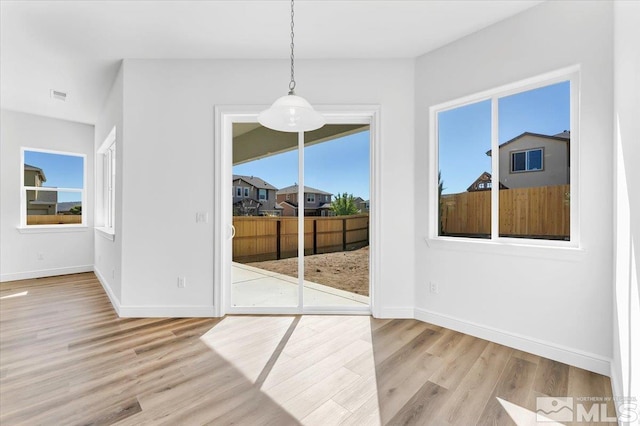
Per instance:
(617,386)
(14,276)
(166,311)
(577,358)
(115,302)
(394,313)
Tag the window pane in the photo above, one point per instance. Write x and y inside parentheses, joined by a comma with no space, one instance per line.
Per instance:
(53,207)
(535,160)
(464,161)
(264,271)
(534,202)
(519,160)
(53,170)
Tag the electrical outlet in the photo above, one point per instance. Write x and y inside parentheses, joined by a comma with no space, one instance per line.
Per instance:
(182,282)
(202,217)
(433,288)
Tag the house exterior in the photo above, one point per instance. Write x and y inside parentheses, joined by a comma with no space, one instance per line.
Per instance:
(316,203)
(483,183)
(39,202)
(533,159)
(363,205)
(253,196)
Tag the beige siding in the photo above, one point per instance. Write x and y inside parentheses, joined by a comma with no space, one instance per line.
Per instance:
(555,164)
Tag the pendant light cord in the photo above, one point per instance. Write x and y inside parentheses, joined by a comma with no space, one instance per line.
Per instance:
(292,83)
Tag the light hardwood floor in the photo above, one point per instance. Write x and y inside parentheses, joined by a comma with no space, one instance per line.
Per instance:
(66,358)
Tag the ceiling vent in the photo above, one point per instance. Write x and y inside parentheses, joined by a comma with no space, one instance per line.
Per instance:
(56,94)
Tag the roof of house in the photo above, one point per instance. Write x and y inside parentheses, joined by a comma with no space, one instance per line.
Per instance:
(247,202)
(484,177)
(255,181)
(289,203)
(35,169)
(563,136)
(293,189)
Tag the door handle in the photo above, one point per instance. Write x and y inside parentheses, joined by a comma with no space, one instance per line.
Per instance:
(233,232)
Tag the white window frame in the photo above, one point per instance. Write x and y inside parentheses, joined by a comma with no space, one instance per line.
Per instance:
(106,185)
(24,189)
(238,191)
(265,194)
(311,198)
(246,192)
(570,74)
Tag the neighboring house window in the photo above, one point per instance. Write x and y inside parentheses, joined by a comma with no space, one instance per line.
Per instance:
(107,183)
(288,196)
(311,198)
(238,191)
(507,132)
(262,194)
(53,188)
(527,161)
(246,192)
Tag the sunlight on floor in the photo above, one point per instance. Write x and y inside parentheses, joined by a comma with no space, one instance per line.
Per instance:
(523,417)
(288,358)
(24,293)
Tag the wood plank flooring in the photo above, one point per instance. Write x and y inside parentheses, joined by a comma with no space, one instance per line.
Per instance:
(67,359)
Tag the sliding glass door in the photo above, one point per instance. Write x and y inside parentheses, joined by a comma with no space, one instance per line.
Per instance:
(300,216)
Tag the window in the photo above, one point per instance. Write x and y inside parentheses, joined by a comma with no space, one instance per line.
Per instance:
(311,198)
(506,133)
(53,192)
(527,161)
(107,183)
(246,192)
(288,196)
(262,194)
(238,191)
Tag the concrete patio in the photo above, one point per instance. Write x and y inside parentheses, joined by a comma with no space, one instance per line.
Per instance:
(258,287)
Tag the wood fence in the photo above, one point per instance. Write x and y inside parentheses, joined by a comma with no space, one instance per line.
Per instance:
(261,238)
(53,219)
(540,212)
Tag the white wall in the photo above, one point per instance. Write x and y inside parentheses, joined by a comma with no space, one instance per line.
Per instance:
(63,252)
(542,300)
(626,332)
(168,167)
(108,253)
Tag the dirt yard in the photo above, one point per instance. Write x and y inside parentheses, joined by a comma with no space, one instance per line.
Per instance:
(345,270)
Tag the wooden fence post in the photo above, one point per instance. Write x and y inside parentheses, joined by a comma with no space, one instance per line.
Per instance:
(315,236)
(344,234)
(278,227)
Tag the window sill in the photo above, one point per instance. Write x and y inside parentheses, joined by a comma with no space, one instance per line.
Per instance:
(45,229)
(107,233)
(555,250)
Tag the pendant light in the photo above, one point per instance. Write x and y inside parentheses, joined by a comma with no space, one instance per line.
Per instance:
(291,113)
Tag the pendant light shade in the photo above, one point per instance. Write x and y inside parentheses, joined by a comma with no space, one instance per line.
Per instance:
(291,113)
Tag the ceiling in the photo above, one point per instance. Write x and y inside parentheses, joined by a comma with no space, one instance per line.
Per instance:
(76,46)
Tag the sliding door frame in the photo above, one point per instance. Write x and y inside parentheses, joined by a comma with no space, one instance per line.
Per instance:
(224,118)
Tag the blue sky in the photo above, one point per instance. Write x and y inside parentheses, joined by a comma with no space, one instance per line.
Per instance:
(465,132)
(61,171)
(337,166)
